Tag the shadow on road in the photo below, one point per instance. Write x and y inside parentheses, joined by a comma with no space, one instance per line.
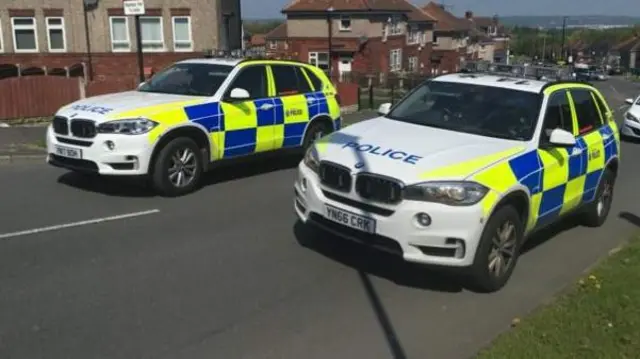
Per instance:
(225,172)
(374,262)
(628,139)
(631,218)
(547,233)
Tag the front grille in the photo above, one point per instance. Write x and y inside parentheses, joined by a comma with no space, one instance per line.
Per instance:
(60,125)
(378,189)
(335,176)
(83,128)
(74,142)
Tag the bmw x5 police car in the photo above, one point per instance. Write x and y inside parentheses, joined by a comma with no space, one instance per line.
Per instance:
(631,124)
(192,114)
(463,169)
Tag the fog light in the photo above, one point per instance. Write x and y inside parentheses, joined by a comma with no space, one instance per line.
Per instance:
(110,145)
(423,219)
(303,184)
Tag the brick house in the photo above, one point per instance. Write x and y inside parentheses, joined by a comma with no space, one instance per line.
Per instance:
(491,40)
(450,39)
(59,33)
(277,43)
(368,37)
(629,51)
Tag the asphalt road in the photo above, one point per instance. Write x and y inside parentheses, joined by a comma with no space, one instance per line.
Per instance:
(226,273)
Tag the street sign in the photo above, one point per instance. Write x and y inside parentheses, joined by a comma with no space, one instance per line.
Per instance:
(133,7)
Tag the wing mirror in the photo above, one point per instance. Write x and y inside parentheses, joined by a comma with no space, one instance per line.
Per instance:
(141,84)
(239,94)
(562,138)
(384,108)
(629,101)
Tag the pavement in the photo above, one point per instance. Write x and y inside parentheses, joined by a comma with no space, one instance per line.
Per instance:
(104,269)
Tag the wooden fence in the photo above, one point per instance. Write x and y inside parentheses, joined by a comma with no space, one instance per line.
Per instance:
(36,96)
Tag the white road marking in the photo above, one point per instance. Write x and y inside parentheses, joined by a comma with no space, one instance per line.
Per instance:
(77,224)
(614,90)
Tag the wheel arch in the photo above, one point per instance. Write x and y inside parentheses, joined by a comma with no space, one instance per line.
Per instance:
(321,118)
(520,200)
(192,131)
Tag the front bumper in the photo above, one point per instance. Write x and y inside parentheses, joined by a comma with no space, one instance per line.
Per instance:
(630,129)
(129,156)
(450,240)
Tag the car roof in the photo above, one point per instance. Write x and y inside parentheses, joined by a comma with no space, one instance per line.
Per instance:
(507,82)
(213,61)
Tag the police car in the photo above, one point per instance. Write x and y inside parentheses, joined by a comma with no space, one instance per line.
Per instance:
(631,125)
(463,169)
(192,114)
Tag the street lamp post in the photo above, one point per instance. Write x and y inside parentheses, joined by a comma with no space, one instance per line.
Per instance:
(564,31)
(330,37)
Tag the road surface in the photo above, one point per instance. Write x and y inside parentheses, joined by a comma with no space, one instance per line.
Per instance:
(227,273)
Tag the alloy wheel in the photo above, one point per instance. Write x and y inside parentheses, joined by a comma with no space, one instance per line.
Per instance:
(503,249)
(182,167)
(605,197)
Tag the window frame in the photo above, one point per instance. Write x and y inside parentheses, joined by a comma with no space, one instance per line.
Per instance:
(33,27)
(395,29)
(128,41)
(173,34)
(399,60)
(273,45)
(544,139)
(409,61)
(162,41)
(317,59)
(340,24)
(62,27)
(1,38)
(293,67)
(413,36)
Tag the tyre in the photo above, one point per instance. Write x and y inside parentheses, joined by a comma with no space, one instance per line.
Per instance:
(177,168)
(498,250)
(596,212)
(316,130)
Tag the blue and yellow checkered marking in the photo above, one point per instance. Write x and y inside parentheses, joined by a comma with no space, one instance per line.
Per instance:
(242,129)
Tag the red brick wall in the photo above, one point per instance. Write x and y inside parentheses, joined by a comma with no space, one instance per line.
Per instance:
(104,64)
(348,94)
(448,61)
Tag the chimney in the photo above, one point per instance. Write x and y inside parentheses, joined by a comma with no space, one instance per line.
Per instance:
(468,15)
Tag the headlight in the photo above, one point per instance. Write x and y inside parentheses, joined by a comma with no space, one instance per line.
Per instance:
(631,117)
(451,193)
(311,159)
(134,126)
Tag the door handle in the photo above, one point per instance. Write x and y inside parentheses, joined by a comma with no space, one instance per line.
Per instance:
(311,100)
(606,137)
(266,106)
(576,151)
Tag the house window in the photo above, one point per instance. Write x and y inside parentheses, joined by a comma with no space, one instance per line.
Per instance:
(273,45)
(319,59)
(1,42)
(395,59)
(434,38)
(25,37)
(413,63)
(182,33)
(395,29)
(413,37)
(152,34)
(345,23)
(119,34)
(55,34)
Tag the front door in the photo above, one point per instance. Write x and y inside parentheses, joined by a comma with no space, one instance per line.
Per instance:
(248,124)
(589,125)
(561,166)
(344,66)
(293,103)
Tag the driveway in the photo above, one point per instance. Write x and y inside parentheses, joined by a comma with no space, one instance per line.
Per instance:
(95,269)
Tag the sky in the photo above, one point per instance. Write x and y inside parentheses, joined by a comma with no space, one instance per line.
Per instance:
(271,8)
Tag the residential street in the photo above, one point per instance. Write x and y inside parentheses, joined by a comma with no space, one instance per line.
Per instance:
(226,273)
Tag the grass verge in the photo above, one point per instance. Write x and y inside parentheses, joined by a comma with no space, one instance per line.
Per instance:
(598,318)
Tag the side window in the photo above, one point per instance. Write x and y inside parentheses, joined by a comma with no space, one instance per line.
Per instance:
(558,114)
(318,85)
(252,79)
(601,106)
(586,110)
(289,80)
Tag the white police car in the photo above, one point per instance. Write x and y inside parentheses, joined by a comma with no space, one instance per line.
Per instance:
(631,125)
(463,169)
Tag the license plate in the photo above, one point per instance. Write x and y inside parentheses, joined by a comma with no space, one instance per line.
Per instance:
(68,152)
(352,220)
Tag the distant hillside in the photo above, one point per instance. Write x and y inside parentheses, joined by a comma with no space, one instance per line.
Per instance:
(556,21)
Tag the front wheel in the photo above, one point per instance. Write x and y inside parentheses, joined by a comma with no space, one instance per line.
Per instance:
(498,250)
(177,168)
